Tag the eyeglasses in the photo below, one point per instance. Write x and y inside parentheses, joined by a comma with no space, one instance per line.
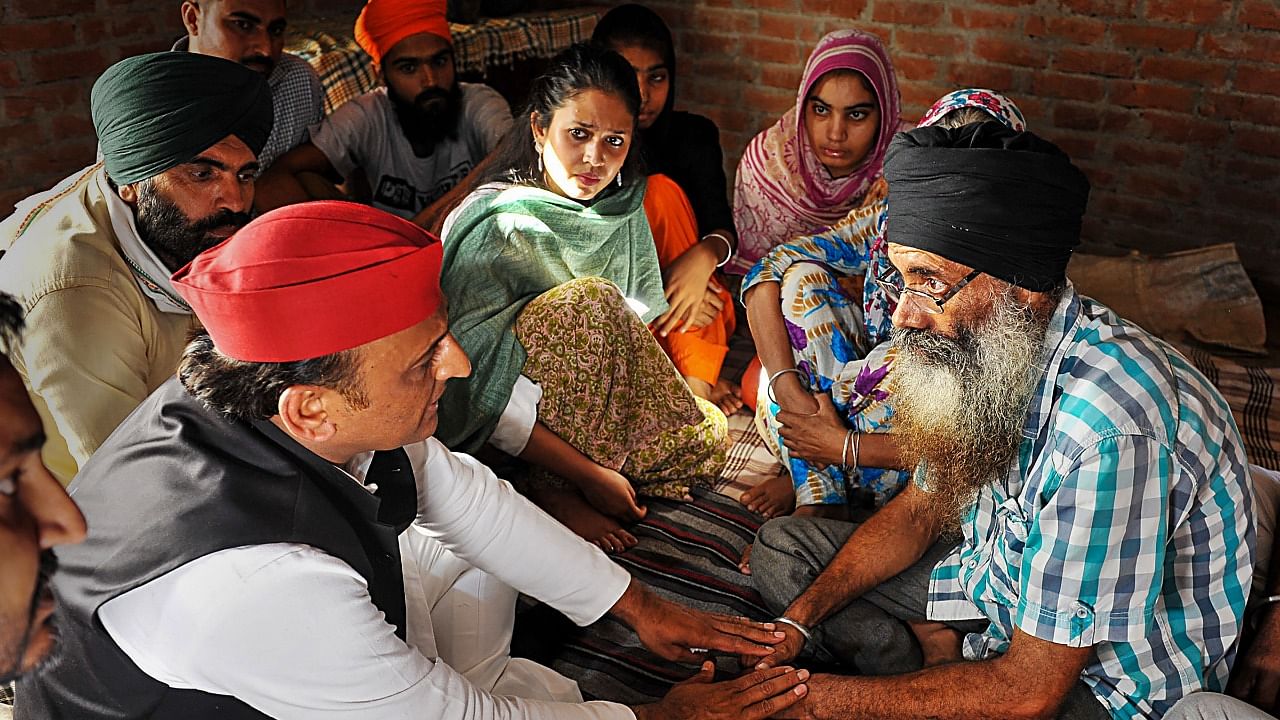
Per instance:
(890,280)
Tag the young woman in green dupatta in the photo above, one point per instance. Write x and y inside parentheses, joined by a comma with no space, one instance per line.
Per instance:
(551,276)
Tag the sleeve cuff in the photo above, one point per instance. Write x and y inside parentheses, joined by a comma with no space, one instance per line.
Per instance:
(516,423)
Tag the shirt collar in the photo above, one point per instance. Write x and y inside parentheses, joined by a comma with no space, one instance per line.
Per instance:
(150,274)
(1061,331)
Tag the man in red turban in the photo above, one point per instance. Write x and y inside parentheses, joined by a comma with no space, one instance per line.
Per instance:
(275,533)
(414,139)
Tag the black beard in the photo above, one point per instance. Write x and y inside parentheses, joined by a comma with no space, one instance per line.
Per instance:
(13,669)
(174,238)
(261,63)
(430,118)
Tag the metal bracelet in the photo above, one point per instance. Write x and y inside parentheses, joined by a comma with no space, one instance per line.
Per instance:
(808,636)
(728,246)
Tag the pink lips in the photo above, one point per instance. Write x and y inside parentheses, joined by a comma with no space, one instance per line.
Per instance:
(588,180)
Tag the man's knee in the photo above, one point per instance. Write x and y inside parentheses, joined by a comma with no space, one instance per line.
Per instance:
(789,553)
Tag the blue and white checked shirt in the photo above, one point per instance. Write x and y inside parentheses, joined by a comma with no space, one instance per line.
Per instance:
(1127,524)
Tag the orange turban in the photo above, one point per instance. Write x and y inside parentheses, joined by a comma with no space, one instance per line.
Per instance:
(383,23)
(312,279)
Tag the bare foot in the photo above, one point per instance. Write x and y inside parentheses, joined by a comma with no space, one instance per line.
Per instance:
(771,498)
(571,509)
(744,565)
(727,396)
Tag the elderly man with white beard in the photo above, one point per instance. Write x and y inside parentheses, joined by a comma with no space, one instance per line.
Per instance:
(1078,539)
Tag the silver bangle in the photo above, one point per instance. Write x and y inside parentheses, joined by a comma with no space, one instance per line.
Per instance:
(728,246)
(844,451)
(774,378)
(857,446)
(808,637)
(1268,600)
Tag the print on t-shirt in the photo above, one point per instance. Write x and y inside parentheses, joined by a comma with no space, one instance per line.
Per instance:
(400,194)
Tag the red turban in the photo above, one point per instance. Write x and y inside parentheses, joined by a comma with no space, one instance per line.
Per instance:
(313,279)
(383,23)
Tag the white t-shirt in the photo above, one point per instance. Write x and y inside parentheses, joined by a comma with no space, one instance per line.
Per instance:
(365,133)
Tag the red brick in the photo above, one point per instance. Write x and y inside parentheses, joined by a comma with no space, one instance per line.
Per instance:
(1081,148)
(1167,39)
(15,37)
(1261,47)
(73,125)
(709,92)
(46,8)
(1132,152)
(23,136)
(780,76)
(48,98)
(704,45)
(1151,95)
(918,96)
(725,20)
(55,159)
(906,12)
(70,64)
(1093,62)
(1071,87)
(1099,8)
(1075,116)
(1242,197)
(982,19)
(961,74)
(720,70)
(927,43)
(1159,185)
(1258,79)
(1079,30)
(142,23)
(1240,108)
(784,5)
(779,51)
(788,27)
(1194,12)
(10,198)
(1261,14)
(1008,2)
(1010,52)
(912,67)
(1178,128)
(10,76)
(769,101)
(1199,72)
(1258,140)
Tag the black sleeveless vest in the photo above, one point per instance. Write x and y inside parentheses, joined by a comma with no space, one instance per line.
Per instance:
(176,482)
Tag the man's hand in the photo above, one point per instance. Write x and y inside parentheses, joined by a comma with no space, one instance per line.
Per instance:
(671,630)
(1256,675)
(754,696)
(783,653)
(818,438)
(685,285)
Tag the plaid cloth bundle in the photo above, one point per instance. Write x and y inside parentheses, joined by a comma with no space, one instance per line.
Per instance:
(346,71)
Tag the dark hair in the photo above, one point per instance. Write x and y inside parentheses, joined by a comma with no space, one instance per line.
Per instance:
(252,390)
(579,68)
(11,322)
(636,25)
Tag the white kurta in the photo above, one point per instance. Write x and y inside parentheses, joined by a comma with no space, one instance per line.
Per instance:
(292,631)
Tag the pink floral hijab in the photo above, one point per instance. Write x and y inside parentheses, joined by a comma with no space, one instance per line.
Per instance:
(782,189)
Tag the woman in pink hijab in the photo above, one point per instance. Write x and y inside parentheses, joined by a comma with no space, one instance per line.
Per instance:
(826,155)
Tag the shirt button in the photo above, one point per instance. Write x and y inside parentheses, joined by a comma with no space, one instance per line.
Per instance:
(1082,611)
(973,563)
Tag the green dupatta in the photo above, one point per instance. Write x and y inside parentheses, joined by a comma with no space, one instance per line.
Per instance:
(508,244)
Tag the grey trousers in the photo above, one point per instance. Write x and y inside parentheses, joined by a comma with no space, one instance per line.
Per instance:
(870,635)
(1212,706)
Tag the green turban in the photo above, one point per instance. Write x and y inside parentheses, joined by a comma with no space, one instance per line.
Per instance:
(154,112)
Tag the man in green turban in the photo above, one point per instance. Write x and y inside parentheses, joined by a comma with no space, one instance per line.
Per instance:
(90,259)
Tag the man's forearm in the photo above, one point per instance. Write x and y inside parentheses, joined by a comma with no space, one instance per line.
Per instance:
(886,544)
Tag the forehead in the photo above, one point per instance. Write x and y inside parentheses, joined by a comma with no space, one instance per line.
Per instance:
(908,259)
(416,47)
(595,107)
(18,418)
(842,90)
(265,10)
(230,150)
(641,57)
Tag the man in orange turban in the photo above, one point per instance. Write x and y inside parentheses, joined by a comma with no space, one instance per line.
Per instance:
(415,139)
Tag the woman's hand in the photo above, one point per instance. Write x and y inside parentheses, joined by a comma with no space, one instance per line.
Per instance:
(685,284)
(817,438)
(612,494)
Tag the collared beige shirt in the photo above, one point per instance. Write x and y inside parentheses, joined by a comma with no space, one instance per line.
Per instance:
(95,346)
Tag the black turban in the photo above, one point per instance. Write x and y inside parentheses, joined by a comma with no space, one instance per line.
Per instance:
(153,112)
(1004,202)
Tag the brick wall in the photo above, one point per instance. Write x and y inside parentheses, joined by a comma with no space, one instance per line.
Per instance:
(1172,107)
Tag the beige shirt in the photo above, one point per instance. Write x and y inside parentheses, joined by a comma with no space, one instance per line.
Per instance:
(95,345)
